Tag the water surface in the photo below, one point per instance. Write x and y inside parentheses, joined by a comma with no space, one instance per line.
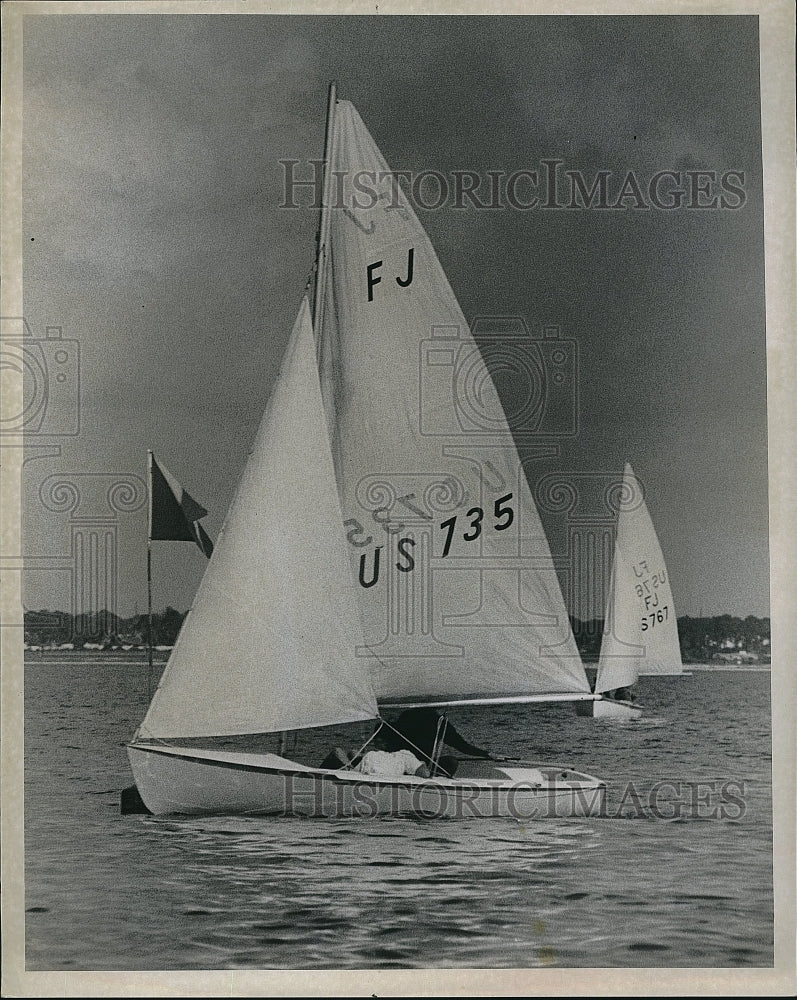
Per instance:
(679,873)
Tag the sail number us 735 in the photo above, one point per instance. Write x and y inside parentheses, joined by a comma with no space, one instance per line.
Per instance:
(503,515)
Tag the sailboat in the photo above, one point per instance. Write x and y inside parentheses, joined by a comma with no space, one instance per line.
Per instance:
(640,630)
(382,551)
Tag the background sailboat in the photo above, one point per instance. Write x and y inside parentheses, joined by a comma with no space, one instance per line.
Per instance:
(435,601)
(640,632)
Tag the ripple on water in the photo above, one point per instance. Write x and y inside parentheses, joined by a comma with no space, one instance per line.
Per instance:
(253,892)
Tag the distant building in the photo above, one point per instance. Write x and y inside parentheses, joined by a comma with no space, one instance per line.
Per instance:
(738,656)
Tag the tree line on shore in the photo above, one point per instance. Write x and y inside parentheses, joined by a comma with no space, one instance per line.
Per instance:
(104,628)
(701,639)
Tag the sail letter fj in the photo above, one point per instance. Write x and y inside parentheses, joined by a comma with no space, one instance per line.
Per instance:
(174,514)
(640,633)
(458,592)
(270,641)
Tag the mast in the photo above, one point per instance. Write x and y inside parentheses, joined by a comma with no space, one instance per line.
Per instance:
(320,260)
(323,222)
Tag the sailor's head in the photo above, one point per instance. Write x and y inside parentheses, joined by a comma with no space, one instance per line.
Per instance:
(388,739)
(423,717)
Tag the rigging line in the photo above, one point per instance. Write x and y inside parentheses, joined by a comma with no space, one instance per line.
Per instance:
(439,741)
(348,766)
(382,724)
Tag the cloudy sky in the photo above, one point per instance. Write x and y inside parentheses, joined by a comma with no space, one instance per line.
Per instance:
(154,238)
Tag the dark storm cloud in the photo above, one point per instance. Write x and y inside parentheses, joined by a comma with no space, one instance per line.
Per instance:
(153,180)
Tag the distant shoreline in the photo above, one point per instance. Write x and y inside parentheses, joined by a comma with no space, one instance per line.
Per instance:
(138,657)
(96,656)
(718,639)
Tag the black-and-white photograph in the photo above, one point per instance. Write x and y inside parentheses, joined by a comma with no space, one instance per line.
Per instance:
(388,403)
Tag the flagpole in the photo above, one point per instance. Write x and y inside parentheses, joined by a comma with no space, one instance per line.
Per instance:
(149,575)
(323,223)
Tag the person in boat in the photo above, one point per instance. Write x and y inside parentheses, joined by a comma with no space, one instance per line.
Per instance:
(386,761)
(417,729)
(392,764)
(622,694)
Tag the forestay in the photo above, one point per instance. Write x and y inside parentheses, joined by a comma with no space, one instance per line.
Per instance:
(457,590)
(270,641)
(640,630)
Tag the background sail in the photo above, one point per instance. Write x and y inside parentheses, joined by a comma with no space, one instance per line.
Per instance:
(270,641)
(641,630)
(419,437)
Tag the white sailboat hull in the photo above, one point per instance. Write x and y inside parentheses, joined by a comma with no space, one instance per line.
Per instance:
(196,782)
(608,708)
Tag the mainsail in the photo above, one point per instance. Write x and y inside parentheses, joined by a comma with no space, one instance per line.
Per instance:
(458,593)
(270,641)
(640,632)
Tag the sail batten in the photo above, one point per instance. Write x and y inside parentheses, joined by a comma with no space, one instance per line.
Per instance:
(270,642)
(640,629)
(456,586)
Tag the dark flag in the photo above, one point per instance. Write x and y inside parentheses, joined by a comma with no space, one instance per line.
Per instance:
(175,515)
